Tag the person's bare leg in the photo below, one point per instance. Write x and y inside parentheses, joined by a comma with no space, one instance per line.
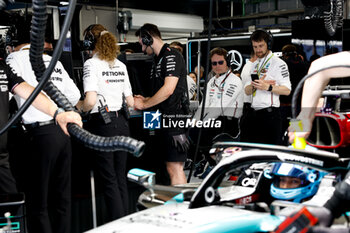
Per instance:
(176,172)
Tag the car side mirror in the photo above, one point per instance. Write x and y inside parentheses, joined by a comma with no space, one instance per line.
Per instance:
(142,177)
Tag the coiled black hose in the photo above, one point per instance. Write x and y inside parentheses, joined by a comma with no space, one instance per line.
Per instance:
(37,36)
(333,18)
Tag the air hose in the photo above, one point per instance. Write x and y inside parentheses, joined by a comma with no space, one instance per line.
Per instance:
(42,74)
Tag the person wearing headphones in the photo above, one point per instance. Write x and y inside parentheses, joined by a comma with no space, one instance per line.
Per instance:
(48,158)
(270,79)
(224,97)
(169,96)
(106,86)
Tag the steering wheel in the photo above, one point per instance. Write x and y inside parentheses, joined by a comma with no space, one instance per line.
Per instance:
(236,60)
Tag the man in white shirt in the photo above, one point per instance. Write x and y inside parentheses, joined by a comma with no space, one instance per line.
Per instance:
(17,86)
(49,154)
(224,95)
(272,81)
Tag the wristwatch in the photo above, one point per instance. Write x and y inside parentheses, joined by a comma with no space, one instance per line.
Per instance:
(270,88)
(58,111)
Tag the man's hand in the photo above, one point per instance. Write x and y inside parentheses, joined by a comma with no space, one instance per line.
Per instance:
(292,135)
(139,102)
(68,117)
(262,84)
(301,133)
(140,97)
(181,142)
(270,82)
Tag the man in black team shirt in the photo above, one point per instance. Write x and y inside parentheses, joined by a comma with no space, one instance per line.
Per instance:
(15,84)
(170,97)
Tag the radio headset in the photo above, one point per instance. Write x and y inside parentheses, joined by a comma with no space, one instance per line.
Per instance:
(89,39)
(104,111)
(146,38)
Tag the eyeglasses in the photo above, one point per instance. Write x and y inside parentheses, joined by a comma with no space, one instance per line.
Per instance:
(214,63)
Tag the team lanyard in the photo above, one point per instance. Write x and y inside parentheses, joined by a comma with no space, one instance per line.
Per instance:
(261,68)
(263,65)
(223,81)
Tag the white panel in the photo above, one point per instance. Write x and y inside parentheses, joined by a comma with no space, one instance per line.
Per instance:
(170,22)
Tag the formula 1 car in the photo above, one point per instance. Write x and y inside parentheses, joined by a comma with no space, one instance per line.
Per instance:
(234,197)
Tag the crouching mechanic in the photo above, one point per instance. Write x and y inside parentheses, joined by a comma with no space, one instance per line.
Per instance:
(328,67)
(170,97)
